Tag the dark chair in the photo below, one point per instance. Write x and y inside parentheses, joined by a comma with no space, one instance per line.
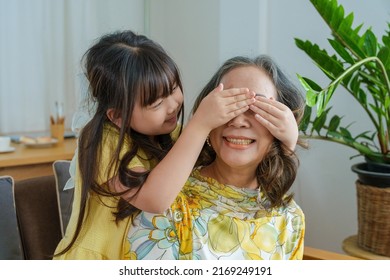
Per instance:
(10,242)
(38,216)
(64,197)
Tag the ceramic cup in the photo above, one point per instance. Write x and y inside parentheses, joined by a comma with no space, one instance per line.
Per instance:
(5,143)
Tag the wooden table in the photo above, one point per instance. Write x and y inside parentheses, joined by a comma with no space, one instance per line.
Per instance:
(27,162)
(350,246)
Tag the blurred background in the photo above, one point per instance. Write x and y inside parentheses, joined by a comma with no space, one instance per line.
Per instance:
(42,43)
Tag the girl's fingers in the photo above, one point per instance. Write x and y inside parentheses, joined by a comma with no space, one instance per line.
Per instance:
(274,110)
(233,101)
(231,92)
(239,100)
(266,123)
(239,105)
(236,94)
(268,111)
(278,116)
(272,107)
(234,112)
(266,115)
(238,97)
(219,88)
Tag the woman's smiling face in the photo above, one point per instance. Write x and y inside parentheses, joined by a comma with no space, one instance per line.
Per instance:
(243,142)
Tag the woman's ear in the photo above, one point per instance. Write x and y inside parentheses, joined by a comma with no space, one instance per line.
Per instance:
(112,116)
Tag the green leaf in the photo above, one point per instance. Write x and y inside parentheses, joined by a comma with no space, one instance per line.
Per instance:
(304,124)
(364,135)
(311,94)
(319,122)
(334,123)
(311,98)
(333,15)
(339,48)
(362,97)
(330,65)
(345,25)
(354,83)
(310,83)
(329,93)
(334,134)
(320,103)
(346,134)
(370,78)
(370,43)
(384,56)
(299,43)
(377,110)
(350,37)
(387,102)
(386,37)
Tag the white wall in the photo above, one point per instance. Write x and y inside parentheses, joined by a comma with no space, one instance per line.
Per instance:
(189,31)
(41,45)
(200,35)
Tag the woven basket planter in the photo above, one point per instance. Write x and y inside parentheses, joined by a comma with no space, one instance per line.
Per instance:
(373,218)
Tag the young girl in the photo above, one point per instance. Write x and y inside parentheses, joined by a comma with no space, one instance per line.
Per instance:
(127,159)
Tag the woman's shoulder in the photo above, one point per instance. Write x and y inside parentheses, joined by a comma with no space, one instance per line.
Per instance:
(293,209)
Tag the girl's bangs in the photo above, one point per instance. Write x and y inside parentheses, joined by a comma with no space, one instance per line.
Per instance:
(159,82)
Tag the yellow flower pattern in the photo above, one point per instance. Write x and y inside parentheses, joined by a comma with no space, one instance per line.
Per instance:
(209,220)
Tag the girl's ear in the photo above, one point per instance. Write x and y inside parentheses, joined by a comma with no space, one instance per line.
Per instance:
(112,116)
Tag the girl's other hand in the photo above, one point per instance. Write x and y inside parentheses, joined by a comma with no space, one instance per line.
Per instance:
(278,119)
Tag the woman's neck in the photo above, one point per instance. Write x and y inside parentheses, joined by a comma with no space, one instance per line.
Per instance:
(238,177)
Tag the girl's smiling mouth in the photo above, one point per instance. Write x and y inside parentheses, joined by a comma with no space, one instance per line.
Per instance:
(172,120)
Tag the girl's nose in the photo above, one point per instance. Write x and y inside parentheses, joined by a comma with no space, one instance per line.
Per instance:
(172,104)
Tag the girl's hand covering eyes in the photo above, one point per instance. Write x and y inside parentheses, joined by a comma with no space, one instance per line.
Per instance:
(278,119)
(220,106)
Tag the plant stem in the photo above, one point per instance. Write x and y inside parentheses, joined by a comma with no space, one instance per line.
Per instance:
(382,133)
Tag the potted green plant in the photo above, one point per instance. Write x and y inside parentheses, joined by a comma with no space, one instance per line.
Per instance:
(360,65)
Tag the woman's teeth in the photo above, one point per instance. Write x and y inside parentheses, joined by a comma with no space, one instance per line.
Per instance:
(239,141)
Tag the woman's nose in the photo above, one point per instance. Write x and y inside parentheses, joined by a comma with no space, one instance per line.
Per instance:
(239,121)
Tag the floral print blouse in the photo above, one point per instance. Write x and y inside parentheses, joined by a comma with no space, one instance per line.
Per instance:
(210,221)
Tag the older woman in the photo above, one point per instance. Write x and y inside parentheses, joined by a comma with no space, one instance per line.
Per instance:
(236,203)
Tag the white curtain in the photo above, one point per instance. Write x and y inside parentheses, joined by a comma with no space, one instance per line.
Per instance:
(41,45)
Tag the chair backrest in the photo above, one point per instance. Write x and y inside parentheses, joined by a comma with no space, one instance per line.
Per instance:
(64,197)
(10,242)
(38,216)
